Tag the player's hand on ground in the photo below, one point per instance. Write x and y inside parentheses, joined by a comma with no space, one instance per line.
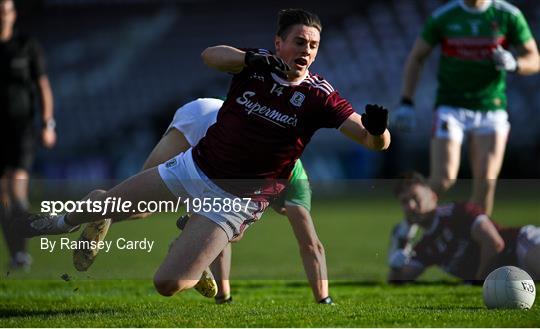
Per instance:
(398,259)
(404,118)
(375,119)
(270,63)
(504,60)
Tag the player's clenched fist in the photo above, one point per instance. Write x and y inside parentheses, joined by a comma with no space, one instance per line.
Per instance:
(504,60)
(375,119)
(267,62)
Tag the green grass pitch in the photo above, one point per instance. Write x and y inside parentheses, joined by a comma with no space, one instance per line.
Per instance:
(268,281)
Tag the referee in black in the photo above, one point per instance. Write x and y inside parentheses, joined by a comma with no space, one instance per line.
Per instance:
(22,83)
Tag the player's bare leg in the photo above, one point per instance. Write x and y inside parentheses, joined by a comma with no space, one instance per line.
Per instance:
(97,229)
(487,154)
(171,144)
(194,250)
(207,285)
(445,157)
(221,267)
(146,186)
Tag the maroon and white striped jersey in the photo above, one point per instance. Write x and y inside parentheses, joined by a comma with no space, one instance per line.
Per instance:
(262,129)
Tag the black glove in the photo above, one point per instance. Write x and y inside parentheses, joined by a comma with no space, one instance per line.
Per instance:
(375,119)
(328,300)
(270,63)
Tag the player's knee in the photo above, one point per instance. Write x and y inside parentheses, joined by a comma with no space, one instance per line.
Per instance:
(166,288)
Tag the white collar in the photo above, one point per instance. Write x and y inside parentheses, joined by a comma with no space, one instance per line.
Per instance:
(289,83)
(472,10)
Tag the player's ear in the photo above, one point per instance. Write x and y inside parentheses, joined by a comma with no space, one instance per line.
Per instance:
(434,196)
(277,43)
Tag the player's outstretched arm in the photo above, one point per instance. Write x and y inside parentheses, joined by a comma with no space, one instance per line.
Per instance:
(233,60)
(378,139)
(491,245)
(311,250)
(224,58)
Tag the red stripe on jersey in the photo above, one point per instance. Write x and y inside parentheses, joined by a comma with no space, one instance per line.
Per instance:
(316,80)
(470,48)
(319,83)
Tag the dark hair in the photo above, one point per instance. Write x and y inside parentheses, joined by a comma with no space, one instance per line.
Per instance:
(290,17)
(409,179)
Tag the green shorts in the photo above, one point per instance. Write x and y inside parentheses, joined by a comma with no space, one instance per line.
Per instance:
(298,191)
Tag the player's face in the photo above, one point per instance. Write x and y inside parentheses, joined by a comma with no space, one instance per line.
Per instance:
(298,49)
(7,14)
(418,203)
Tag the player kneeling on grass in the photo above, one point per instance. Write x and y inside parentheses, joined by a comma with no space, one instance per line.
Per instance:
(458,237)
(189,125)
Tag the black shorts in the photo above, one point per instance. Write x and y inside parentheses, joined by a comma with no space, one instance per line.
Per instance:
(17,146)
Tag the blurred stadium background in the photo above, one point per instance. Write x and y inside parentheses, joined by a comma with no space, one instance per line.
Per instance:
(119,69)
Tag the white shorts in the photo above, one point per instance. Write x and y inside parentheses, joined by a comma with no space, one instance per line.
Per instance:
(185,180)
(194,118)
(455,122)
(528,238)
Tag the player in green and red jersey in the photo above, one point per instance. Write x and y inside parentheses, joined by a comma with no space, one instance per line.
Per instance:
(475,36)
